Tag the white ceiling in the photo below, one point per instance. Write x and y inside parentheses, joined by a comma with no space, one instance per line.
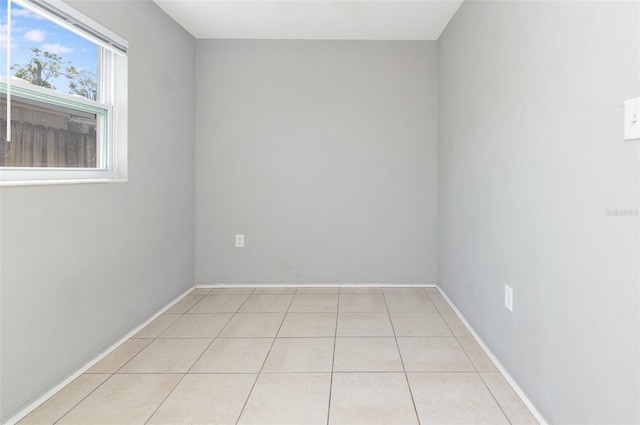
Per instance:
(313,19)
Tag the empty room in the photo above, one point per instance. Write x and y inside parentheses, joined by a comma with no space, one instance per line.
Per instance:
(319,212)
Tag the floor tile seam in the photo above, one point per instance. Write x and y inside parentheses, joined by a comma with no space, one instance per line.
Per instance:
(333,310)
(143,348)
(404,371)
(212,340)
(333,359)
(454,334)
(165,399)
(494,398)
(459,372)
(269,337)
(445,322)
(255,381)
(469,355)
(269,295)
(401,336)
(76,404)
(117,371)
(436,306)
(185,337)
(151,340)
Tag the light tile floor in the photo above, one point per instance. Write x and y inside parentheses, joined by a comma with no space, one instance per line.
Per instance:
(277,356)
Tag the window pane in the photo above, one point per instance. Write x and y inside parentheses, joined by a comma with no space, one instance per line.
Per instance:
(45,135)
(48,55)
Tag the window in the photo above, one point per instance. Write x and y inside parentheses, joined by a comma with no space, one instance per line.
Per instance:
(62,96)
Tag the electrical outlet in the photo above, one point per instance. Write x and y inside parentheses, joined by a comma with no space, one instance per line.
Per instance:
(508,298)
(239,241)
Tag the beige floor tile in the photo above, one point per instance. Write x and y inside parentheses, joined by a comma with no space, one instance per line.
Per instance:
(197,326)
(361,290)
(438,300)
(300,355)
(408,300)
(317,291)
(219,304)
(263,303)
(252,325)
(233,355)
(454,398)
(371,399)
(64,400)
(285,290)
(433,355)
(308,325)
(205,399)
(121,355)
(455,324)
(476,354)
(362,303)
(432,292)
(288,399)
(419,324)
(123,399)
(364,324)
(511,404)
(231,291)
(314,303)
(367,355)
(159,325)
(200,291)
(184,304)
(167,356)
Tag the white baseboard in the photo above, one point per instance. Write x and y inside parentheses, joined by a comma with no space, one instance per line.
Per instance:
(207,285)
(45,396)
(523,396)
(12,420)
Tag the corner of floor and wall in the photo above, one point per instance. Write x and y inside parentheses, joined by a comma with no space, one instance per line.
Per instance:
(491,157)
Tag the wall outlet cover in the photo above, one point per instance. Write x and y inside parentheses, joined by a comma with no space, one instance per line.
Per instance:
(508,298)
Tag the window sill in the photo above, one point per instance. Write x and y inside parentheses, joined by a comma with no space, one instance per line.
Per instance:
(61,182)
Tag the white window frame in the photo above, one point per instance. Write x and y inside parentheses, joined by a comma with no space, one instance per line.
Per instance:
(112,80)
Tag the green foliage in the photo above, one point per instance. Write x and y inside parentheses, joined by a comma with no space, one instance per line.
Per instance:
(82,82)
(43,67)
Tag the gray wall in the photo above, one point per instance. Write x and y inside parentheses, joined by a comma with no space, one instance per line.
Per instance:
(531,156)
(324,154)
(83,264)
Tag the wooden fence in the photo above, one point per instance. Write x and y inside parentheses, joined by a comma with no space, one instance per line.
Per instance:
(53,142)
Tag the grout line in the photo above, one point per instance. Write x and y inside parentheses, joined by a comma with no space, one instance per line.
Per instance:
(453,334)
(501,369)
(131,336)
(404,370)
(201,354)
(333,359)
(494,398)
(45,396)
(311,337)
(136,354)
(448,372)
(340,284)
(266,357)
(83,399)
(165,399)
